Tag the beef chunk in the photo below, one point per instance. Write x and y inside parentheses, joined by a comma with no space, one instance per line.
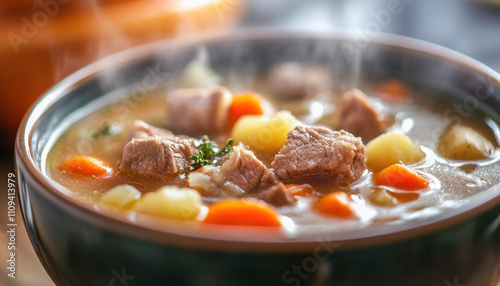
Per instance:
(197,112)
(292,80)
(277,195)
(141,129)
(157,156)
(356,114)
(270,178)
(317,151)
(241,168)
(239,173)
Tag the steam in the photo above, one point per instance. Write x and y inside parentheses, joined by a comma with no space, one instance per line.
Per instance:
(107,39)
(98,31)
(198,73)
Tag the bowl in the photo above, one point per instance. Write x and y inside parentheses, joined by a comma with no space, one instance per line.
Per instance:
(79,245)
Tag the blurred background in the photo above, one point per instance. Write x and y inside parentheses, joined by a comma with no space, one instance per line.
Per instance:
(43,41)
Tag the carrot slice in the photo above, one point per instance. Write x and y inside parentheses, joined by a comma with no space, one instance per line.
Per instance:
(400,177)
(242,212)
(300,190)
(404,197)
(335,204)
(393,89)
(244,104)
(85,166)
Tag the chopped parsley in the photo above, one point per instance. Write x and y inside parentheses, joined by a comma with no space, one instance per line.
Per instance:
(209,153)
(106,129)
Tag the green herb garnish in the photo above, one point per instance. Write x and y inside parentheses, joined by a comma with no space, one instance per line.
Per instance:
(107,129)
(209,153)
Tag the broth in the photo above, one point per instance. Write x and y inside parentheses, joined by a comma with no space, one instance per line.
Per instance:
(451,182)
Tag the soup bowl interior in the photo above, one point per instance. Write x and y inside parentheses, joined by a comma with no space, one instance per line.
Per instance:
(82,245)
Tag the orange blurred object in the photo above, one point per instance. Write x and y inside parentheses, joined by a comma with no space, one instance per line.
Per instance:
(45,41)
(336,204)
(401,177)
(85,166)
(393,90)
(303,190)
(242,212)
(404,197)
(247,103)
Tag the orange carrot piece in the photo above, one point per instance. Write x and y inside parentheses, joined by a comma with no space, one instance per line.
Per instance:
(244,104)
(394,89)
(242,212)
(85,166)
(400,177)
(335,204)
(300,190)
(404,197)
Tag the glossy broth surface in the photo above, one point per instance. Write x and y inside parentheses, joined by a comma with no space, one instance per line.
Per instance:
(451,182)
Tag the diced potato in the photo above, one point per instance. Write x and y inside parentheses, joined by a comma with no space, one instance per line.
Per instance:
(171,202)
(382,198)
(123,196)
(464,143)
(264,134)
(391,148)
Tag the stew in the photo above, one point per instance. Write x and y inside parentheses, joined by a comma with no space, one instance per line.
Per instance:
(289,151)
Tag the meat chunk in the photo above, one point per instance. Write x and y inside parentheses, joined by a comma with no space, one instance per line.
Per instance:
(317,151)
(239,173)
(291,80)
(197,112)
(141,129)
(356,114)
(241,168)
(270,178)
(157,156)
(277,195)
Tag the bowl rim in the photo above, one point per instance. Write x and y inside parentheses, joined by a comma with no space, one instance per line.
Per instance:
(206,238)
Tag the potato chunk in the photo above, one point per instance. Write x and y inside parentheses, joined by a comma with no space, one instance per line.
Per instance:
(382,197)
(461,142)
(123,196)
(264,134)
(391,148)
(171,202)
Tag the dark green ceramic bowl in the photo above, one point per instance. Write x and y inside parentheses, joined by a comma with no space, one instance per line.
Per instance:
(81,246)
